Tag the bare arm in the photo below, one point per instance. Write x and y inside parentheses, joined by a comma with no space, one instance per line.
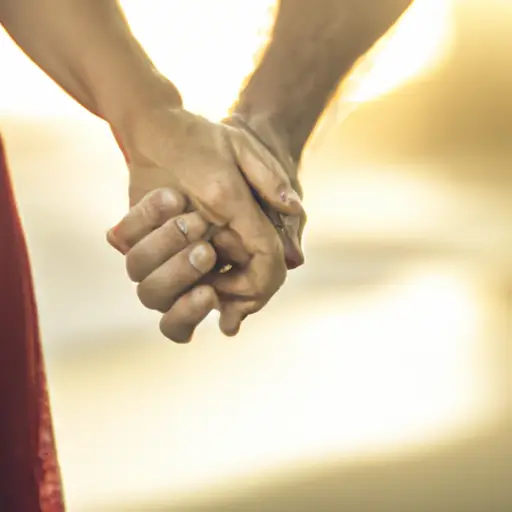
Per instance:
(314,44)
(87,48)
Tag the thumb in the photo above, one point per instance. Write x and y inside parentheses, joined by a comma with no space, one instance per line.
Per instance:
(231,318)
(264,173)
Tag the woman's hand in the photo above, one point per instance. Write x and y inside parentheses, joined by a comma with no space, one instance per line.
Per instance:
(218,168)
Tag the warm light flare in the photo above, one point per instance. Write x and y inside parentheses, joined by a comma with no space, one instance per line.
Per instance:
(353,376)
(419,41)
(207,49)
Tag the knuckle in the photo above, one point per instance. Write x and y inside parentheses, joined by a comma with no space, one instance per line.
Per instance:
(218,193)
(178,231)
(198,226)
(206,296)
(173,234)
(265,288)
(162,204)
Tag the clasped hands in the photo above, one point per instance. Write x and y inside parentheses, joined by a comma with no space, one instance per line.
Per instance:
(215,218)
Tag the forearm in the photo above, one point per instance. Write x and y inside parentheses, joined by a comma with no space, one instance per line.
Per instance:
(86,46)
(314,44)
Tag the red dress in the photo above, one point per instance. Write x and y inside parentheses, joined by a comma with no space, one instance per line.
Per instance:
(29,473)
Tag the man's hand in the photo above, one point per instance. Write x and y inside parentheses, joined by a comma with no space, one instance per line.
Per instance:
(215,166)
(290,227)
(167,254)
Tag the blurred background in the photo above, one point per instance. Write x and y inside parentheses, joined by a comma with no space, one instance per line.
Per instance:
(379,379)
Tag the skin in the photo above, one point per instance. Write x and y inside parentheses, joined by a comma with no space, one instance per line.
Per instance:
(174,278)
(89,50)
(313,46)
(203,160)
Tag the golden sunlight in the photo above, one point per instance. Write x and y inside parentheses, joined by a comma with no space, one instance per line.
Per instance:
(207,49)
(417,43)
(355,376)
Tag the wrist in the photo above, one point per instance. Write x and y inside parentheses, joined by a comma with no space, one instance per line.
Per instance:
(275,130)
(133,113)
(274,137)
(267,129)
(123,108)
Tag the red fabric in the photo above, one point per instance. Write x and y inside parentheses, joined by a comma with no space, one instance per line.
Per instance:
(29,473)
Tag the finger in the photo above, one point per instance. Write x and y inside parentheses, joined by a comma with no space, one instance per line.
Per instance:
(229,247)
(264,173)
(150,212)
(176,276)
(233,314)
(258,280)
(228,203)
(290,226)
(246,290)
(163,243)
(179,323)
(292,238)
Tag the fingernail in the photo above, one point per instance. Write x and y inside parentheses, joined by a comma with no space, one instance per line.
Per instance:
(294,260)
(182,225)
(291,198)
(199,258)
